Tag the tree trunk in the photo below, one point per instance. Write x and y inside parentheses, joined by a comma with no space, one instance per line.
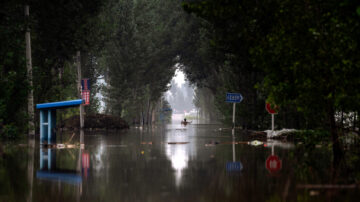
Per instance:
(29,76)
(78,65)
(153,115)
(148,113)
(354,124)
(334,135)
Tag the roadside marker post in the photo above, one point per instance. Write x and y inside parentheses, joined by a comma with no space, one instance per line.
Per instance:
(233,98)
(271,111)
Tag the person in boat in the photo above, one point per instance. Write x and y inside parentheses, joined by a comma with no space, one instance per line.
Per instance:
(184,121)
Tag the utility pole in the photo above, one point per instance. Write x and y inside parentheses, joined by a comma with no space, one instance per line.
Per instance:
(78,65)
(29,74)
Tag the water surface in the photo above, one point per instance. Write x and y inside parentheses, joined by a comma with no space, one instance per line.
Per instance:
(174,163)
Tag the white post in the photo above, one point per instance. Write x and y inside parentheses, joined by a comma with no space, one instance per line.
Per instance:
(272,123)
(233,127)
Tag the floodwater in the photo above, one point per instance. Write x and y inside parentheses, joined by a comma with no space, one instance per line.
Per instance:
(174,163)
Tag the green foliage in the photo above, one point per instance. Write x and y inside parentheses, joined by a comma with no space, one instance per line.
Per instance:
(204,101)
(58,29)
(138,59)
(13,85)
(302,56)
(9,132)
(311,137)
(317,75)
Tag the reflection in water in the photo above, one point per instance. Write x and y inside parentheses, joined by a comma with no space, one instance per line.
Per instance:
(179,159)
(50,171)
(30,166)
(177,172)
(179,154)
(98,164)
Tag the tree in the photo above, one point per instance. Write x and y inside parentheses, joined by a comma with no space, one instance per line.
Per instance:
(139,59)
(13,85)
(300,53)
(320,76)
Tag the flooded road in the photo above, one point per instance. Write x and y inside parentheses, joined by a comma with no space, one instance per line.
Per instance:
(174,163)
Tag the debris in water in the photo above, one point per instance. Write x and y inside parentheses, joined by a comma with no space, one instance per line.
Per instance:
(327,186)
(271,134)
(212,143)
(255,143)
(178,142)
(314,193)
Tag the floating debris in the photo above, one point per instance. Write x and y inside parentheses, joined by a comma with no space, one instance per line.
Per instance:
(212,143)
(70,146)
(178,142)
(255,143)
(314,193)
(327,186)
(60,146)
(117,145)
(276,133)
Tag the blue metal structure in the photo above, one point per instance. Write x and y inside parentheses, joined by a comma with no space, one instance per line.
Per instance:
(58,105)
(48,118)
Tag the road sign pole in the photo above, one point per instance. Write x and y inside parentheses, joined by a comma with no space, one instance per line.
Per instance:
(233,127)
(233,144)
(233,98)
(272,123)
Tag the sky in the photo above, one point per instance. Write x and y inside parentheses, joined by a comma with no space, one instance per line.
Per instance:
(179,78)
(180,95)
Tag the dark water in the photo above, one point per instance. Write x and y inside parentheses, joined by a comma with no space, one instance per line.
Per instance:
(175,163)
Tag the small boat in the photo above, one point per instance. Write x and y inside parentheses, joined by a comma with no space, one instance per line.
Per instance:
(185,122)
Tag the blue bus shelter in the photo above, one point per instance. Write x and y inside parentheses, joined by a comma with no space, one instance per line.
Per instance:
(48,118)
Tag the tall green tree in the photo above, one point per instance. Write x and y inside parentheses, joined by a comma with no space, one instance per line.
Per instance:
(58,29)
(13,85)
(302,54)
(140,57)
(311,59)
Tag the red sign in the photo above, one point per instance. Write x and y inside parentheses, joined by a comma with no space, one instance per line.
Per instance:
(270,109)
(86,96)
(273,164)
(85,84)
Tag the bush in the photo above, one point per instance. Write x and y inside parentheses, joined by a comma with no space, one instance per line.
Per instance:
(9,132)
(312,136)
